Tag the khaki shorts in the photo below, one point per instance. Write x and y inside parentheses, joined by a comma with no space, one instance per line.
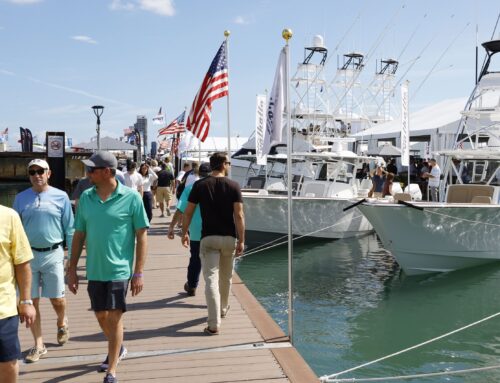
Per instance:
(163,193)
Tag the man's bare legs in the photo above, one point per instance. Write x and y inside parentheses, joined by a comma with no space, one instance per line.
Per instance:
(112,325)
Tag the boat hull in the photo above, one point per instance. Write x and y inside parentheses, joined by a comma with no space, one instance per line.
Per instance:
(440,238)
(314,217)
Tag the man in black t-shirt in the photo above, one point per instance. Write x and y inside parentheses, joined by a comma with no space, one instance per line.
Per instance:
(222,235)
(164,189)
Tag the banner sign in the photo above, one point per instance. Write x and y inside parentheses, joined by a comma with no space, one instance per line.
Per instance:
(405,126)
(260,128)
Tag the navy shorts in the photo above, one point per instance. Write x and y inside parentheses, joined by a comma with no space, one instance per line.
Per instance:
(108,295)
(10,349)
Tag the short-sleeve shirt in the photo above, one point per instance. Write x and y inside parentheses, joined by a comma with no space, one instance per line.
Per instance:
(165,178)
(195,225)
(110,228)
(14,250)
(133,180)
(436,175)
(216,197)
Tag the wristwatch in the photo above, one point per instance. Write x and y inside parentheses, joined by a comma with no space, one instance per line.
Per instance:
(26,302)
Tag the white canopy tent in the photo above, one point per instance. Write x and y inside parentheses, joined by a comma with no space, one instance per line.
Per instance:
(439,122)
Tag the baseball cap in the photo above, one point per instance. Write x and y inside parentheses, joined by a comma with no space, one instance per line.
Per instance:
(204,169)
(101,159)
(38,162)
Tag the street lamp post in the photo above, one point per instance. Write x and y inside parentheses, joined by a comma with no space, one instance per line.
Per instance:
(98,109)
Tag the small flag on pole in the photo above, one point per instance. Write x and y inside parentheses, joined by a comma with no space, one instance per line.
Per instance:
(215,85)
(176,126)
(159,119)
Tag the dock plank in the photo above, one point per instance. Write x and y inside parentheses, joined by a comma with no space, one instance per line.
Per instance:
(164,333)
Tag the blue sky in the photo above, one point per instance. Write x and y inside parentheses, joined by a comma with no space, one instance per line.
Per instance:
(60,57)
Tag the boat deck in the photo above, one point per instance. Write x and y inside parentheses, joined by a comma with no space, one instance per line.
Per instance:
(164,333)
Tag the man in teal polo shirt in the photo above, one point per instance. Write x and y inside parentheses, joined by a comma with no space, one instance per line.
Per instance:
(111,218)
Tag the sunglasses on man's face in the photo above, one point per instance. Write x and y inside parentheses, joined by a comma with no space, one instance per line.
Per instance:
(38,171)
(92,170)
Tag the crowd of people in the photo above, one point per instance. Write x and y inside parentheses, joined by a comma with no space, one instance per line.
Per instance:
(113,214)
(427,174)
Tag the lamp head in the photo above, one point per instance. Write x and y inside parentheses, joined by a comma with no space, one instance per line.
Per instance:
(98,110)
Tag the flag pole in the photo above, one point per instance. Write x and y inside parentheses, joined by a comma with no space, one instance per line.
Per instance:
(287,35)
(226,35)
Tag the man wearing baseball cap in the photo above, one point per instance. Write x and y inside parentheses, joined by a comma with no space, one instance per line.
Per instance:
(47,218)
(111,219)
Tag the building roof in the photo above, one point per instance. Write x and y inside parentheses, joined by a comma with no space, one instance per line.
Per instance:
(107,143)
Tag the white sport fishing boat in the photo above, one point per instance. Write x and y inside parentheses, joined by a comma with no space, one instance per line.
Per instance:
(324,174)
(464,230)
(318,202)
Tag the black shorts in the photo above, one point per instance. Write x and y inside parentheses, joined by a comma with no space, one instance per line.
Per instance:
(10,349)
(108,295)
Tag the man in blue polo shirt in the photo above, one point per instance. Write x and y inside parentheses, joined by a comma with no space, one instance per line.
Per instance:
(47,218)
(112,219)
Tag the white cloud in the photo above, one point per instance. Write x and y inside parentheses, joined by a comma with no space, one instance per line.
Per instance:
(84,39)
(240,20)
(121,5)
(7,72)
(24,2)
(160,7)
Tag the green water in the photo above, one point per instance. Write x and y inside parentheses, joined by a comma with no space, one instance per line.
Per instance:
(353,305)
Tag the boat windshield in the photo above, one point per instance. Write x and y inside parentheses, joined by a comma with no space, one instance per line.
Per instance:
(475,171)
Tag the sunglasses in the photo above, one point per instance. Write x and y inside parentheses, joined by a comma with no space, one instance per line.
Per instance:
(227,162)
(92,170)
(38,171)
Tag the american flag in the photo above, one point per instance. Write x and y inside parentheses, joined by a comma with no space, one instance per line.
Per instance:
(176,126)
(159,119)
(214,86)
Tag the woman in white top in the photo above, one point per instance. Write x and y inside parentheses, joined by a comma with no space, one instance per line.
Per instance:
(148,178)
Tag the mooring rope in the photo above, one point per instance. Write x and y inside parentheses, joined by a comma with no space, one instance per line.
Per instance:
(415,376)
(265,246)
(332,377)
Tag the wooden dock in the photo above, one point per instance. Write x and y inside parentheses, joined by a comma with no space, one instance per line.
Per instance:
(164,333)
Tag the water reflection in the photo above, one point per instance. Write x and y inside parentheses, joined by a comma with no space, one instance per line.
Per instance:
(353,305)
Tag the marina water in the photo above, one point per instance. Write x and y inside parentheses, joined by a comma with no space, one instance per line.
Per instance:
(353,305)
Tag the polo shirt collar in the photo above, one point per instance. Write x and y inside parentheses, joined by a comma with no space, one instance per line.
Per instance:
(118,191)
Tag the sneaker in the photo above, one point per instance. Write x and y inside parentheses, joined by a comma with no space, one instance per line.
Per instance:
(110,379)
(168,212)
(35,354)
(104,365)
(191,291)
(162,216)
(63,334)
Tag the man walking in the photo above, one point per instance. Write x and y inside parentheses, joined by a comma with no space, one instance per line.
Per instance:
(194,267)
(132,178)
(221,208)
(15,256)
(47,218)
(164,189)
(111,218)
